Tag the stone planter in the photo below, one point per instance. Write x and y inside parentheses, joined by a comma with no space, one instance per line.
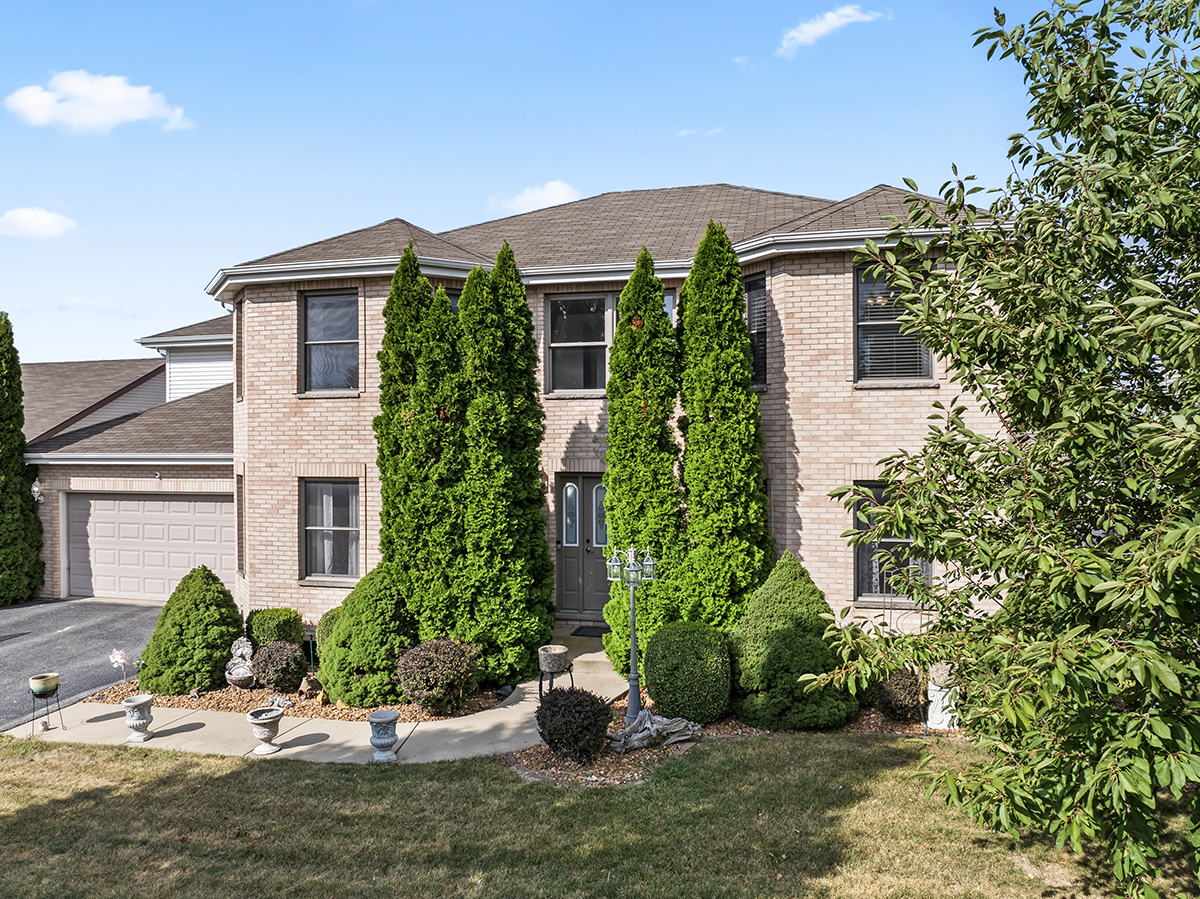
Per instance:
(553,659)
(383,734)
(44,685)
(242,678)
(138,717)
(265,724)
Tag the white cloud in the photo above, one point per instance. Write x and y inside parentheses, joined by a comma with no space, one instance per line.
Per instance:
(741,60)
(688,132)
(82,102)
(549,194)
(30,221)
(108,310)
(808,33)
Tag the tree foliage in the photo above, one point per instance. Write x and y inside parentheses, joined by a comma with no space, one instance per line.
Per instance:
(729,543)
(1068,310)
(21,569)
(505,582)
(643,505)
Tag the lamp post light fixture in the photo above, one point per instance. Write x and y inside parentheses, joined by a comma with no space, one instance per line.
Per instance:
(36,489)
(624,567)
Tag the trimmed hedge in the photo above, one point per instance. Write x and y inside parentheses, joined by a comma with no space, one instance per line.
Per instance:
(371,633)
(687,671)
(280,665)
(438,675)
(193,637)
(574,723)
(901,696)
(265,626)
(780,638)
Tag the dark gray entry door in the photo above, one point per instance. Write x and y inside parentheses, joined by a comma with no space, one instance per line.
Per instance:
(581,578)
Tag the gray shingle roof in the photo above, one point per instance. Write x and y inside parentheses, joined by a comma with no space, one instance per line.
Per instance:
(385,239)
(221,326)
(869,209)
(200,423)
(612,227)
(58,391)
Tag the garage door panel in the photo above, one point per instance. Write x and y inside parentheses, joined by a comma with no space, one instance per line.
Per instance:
(142,545)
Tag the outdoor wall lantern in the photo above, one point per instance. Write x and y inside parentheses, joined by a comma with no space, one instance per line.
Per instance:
(36,490)
(624,567)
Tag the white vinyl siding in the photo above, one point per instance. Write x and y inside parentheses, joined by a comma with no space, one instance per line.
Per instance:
(195,370)
(152,393)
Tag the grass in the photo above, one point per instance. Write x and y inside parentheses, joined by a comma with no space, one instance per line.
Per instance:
(811,815)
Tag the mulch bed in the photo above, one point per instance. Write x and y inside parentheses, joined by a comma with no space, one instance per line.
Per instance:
(534,763)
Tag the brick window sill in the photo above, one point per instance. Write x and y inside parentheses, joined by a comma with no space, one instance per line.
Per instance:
(327,395)
(342,582)
(574,395)
(889,384)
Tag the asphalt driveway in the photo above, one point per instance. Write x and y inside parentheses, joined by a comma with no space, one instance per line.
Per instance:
(71,636)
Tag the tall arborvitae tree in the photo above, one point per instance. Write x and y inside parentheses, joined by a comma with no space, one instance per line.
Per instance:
(409,296)
(643,504)
(428,541)
(729,543)
(506,580)
(21,571)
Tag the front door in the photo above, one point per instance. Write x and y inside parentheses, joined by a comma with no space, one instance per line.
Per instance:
(580,574)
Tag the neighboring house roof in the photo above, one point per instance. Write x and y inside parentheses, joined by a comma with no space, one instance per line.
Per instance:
(612,228)
(221,326)
(57,394)
(200,423)
(385,239)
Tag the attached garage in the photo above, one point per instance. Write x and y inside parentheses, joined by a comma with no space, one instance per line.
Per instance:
(139,546)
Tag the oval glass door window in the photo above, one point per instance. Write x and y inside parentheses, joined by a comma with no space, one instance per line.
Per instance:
(600,524)
(570,515)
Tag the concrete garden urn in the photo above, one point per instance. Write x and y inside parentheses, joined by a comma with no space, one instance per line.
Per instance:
(265,724)
(383,734)
(138,717)
(553,659)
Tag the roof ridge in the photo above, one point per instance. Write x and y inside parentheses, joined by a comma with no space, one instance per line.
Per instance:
(470,253)
(313,243)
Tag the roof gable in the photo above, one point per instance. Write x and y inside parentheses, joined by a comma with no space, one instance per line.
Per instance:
(387,239)
(868,210)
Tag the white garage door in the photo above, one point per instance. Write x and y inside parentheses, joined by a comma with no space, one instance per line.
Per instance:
(141,545)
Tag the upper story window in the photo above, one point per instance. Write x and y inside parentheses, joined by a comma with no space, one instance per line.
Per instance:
(880,350)
(756,318)
(331,341)
(669,304)
(239,346)
(877,564)
(579,336)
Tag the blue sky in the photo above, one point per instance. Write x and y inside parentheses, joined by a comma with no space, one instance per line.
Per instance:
(143,146)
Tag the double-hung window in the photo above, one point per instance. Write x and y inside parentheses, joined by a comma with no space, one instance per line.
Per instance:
(756,318)
(330,528)
(578,342)
(880,350)
(331,341)
(878,564)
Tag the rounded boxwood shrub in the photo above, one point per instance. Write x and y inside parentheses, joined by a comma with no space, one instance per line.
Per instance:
(901,696)
(375,627)
(280,665)
(192,638)
(438,675)
(325,628)
(265,626)
(780,702)
(687,671)
(574,723)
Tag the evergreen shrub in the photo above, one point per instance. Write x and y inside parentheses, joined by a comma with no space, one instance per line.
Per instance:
(280,665)
(21,569)
(325,628)
(901,696)
(687,671)
(779,639)
(374,629)
(265,626)
(192,638)
(438,675)
(574,723)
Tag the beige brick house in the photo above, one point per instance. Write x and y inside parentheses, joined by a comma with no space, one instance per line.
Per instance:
(840,388)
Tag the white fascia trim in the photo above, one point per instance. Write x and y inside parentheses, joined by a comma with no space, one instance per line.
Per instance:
(129,458)
(175,343)
(576,274)
(230,279)
(815,242)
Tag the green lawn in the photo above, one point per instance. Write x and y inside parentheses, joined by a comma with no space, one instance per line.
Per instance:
(817,815)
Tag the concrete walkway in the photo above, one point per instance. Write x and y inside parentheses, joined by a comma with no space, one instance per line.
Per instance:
(506,728)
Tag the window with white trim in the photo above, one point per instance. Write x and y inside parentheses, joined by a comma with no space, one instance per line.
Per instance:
(880,350)
(329,516)
(331,341)
(877,563)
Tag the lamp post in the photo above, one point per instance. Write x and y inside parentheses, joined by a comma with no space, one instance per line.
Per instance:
(624,567)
